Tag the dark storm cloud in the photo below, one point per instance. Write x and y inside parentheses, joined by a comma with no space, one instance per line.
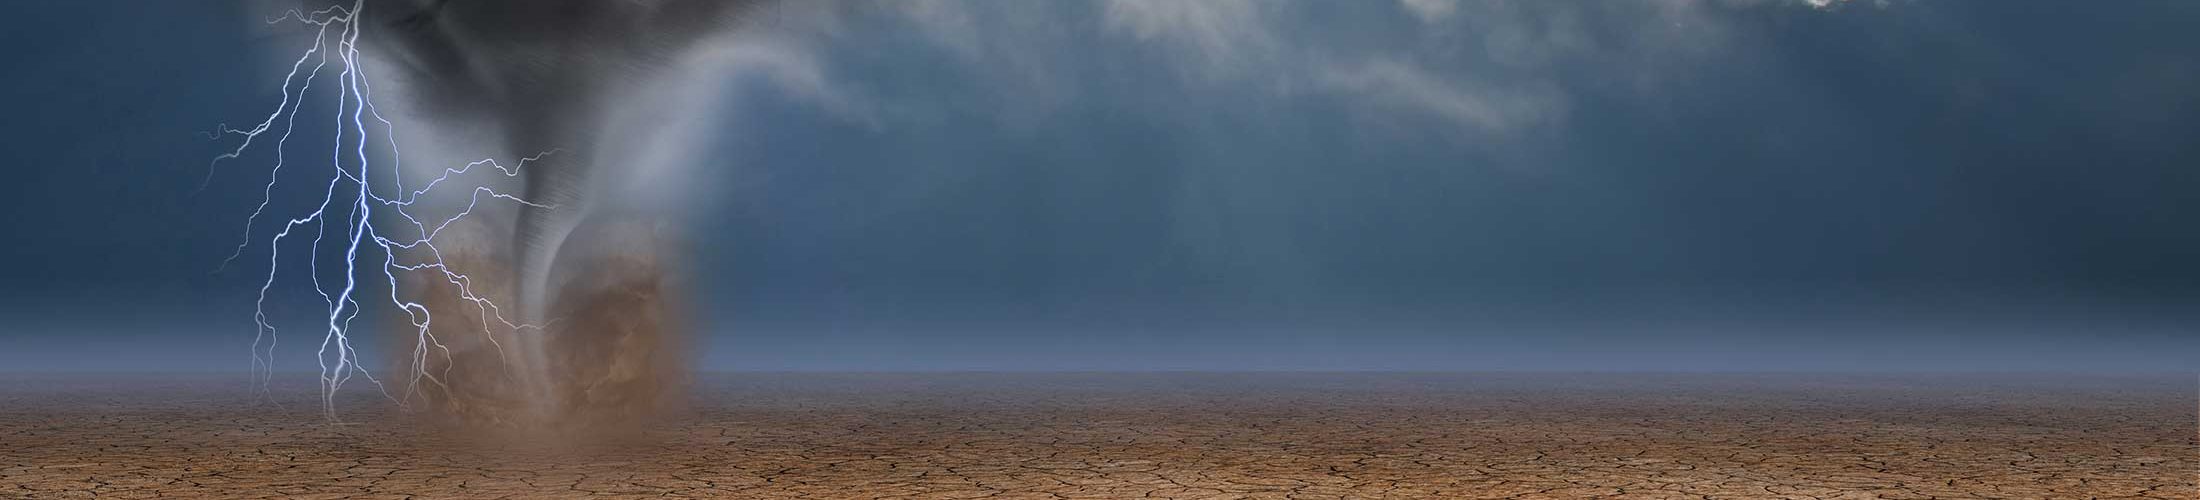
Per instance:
(1687,174)
(1496,147)
(1716,184)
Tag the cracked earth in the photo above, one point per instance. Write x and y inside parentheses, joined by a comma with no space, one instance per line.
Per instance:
(1151,435)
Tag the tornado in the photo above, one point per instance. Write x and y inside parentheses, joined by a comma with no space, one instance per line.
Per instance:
(579,317)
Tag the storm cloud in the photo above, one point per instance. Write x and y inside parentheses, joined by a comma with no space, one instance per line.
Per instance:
(1421,184)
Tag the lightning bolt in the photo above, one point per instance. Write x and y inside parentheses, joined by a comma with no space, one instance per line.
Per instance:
(351,194)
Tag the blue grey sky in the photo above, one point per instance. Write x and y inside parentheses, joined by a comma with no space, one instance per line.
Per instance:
(1249,185)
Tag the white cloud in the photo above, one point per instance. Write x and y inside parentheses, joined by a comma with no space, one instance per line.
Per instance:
(1220,36)
(790,68)
(948,23)
(1395,86)
(1234,41)
(1431,10)
(1487,67)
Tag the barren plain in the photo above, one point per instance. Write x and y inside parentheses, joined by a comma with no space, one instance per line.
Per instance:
(1161,435)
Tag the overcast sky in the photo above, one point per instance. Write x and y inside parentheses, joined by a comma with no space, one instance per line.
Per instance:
(1236,184)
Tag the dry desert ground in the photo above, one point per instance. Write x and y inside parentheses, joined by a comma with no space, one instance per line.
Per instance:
(1157,435)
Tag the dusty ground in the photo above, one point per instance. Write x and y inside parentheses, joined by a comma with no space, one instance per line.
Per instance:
(1165,435)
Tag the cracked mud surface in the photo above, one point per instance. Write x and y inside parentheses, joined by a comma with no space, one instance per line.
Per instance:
(1152,435)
